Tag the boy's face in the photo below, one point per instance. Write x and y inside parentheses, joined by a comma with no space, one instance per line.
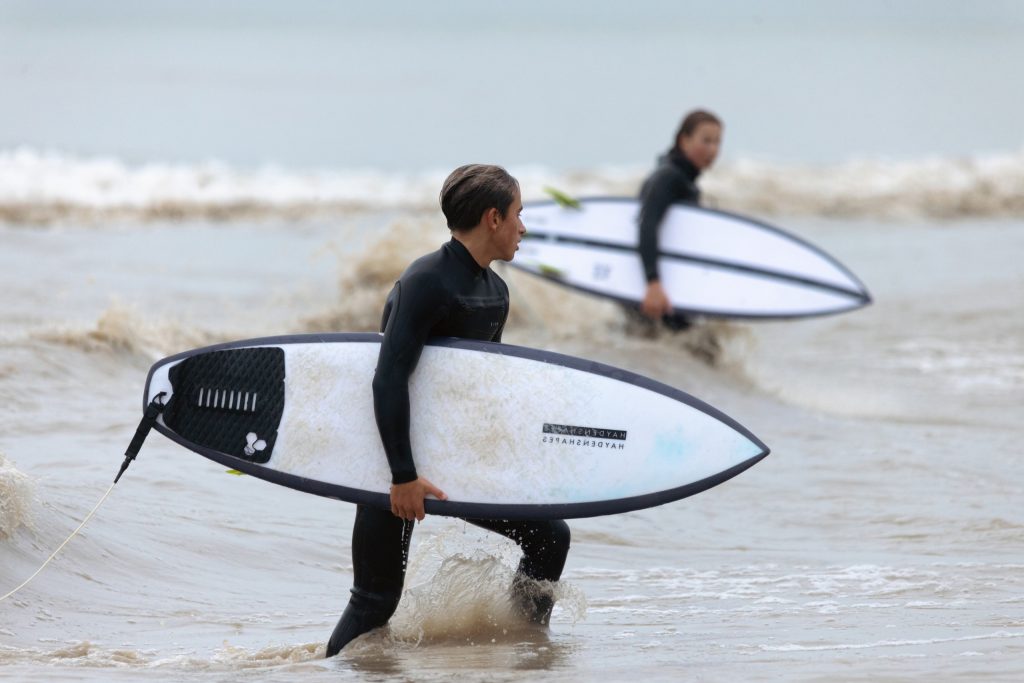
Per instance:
(510,229)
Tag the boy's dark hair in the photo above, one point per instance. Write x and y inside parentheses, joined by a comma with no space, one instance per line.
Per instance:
(471,190)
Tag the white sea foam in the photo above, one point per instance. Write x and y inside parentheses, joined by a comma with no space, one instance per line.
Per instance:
(792,647)
(48,186)
(16,495)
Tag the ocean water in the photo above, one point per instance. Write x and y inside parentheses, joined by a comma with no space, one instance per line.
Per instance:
(143,213)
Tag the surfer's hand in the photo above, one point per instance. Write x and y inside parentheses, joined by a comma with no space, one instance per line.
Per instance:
(407,498)
(655,303)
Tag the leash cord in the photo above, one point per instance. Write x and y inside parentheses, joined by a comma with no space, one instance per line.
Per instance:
(59,548)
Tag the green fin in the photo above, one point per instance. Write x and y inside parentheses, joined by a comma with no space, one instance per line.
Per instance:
(551,271)
(563,199)
(237,473)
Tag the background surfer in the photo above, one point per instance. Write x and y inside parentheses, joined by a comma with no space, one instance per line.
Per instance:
(450,292)
(674,180)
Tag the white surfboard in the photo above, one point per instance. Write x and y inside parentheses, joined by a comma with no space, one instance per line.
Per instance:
(711,263)
(507,432)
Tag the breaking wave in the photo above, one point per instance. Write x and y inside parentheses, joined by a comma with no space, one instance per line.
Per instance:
(942,188)
(38,188)
(124,330)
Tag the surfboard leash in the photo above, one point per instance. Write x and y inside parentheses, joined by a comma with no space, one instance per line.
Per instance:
(153,410)
(155,407)
(61,546)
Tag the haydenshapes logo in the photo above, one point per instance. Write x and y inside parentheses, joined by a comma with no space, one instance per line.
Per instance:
(592,437)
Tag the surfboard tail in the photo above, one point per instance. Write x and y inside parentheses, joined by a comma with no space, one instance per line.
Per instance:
(230,401)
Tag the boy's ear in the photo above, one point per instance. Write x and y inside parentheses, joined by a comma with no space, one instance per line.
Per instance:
(492,217)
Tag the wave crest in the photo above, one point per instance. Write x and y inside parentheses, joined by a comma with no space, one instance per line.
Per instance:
(46,187)
(124,330)
(990,186)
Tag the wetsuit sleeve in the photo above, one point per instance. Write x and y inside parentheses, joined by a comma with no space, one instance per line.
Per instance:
(501,328)
(414,307)
(658,194)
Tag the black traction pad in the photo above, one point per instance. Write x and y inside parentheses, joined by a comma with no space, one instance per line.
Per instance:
(230,401)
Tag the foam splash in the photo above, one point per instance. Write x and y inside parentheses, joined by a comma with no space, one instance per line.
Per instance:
(367,277)
(123,329)
(548,312)
(234,657)
(714,342)
(46,187)
(458,592)
(82,653)
(17,494)
(468,599)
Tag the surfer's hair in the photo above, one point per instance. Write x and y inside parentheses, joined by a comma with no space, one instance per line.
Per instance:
(471,190)
(692,120)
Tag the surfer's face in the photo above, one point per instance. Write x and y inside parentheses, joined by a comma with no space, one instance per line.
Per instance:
(510,230)
(701,146)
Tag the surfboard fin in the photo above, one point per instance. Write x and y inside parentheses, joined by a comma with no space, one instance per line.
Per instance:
(551,271)
(562,199)
(155,407)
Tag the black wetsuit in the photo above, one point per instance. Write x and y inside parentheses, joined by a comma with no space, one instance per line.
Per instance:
(675,180)
(445,293)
